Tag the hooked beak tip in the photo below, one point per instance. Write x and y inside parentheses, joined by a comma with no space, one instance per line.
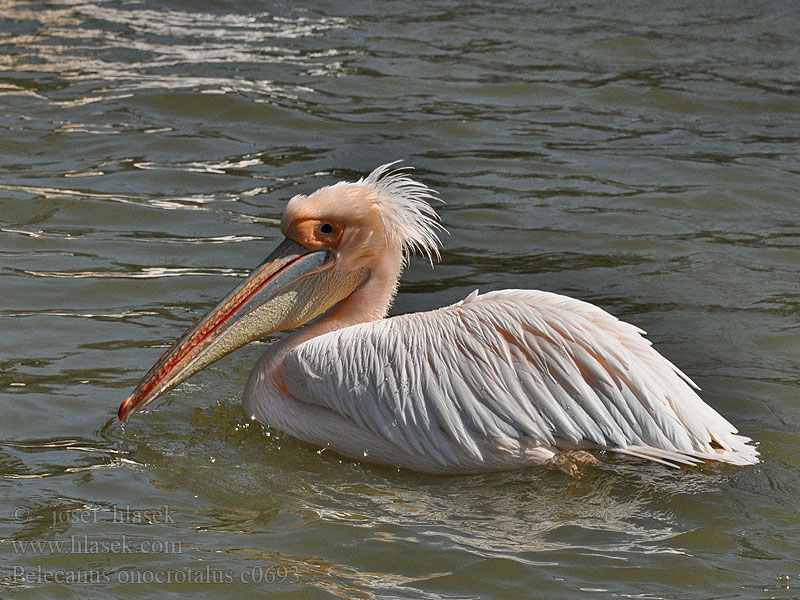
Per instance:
(126,409)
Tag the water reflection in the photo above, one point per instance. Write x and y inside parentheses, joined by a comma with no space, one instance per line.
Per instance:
(499,514)
(538,518)
(160,49)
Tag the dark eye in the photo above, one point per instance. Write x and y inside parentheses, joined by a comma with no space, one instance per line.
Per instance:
(326,229)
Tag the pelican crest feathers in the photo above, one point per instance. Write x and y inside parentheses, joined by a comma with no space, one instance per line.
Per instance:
(402,204)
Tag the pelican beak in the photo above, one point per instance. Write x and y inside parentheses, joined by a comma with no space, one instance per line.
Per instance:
(291,287)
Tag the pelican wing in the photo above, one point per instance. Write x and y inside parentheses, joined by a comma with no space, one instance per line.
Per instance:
(509,371)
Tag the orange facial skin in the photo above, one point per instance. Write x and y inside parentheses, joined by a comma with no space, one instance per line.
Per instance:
(315,234)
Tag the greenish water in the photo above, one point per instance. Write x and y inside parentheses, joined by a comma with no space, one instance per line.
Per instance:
(644,157)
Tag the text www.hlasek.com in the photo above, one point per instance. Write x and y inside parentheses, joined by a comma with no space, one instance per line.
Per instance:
(273,574)
(83,544)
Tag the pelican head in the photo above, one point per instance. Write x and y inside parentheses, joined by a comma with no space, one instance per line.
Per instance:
(337,240)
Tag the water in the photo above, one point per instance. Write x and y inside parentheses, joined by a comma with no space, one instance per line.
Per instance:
(643,157)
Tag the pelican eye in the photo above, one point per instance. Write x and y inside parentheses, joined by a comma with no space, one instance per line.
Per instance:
(326,229)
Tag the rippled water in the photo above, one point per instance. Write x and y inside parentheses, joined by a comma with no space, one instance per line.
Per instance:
(643,157)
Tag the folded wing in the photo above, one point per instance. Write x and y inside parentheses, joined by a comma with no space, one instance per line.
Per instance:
(511,369)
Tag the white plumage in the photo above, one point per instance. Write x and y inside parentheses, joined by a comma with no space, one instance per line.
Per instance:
(506,379)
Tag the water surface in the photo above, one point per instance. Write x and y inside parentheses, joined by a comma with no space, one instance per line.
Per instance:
(642,157)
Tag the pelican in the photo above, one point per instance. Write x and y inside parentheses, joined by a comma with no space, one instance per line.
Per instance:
(497,381)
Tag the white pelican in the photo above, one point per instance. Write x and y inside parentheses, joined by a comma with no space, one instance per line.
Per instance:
(497,381)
